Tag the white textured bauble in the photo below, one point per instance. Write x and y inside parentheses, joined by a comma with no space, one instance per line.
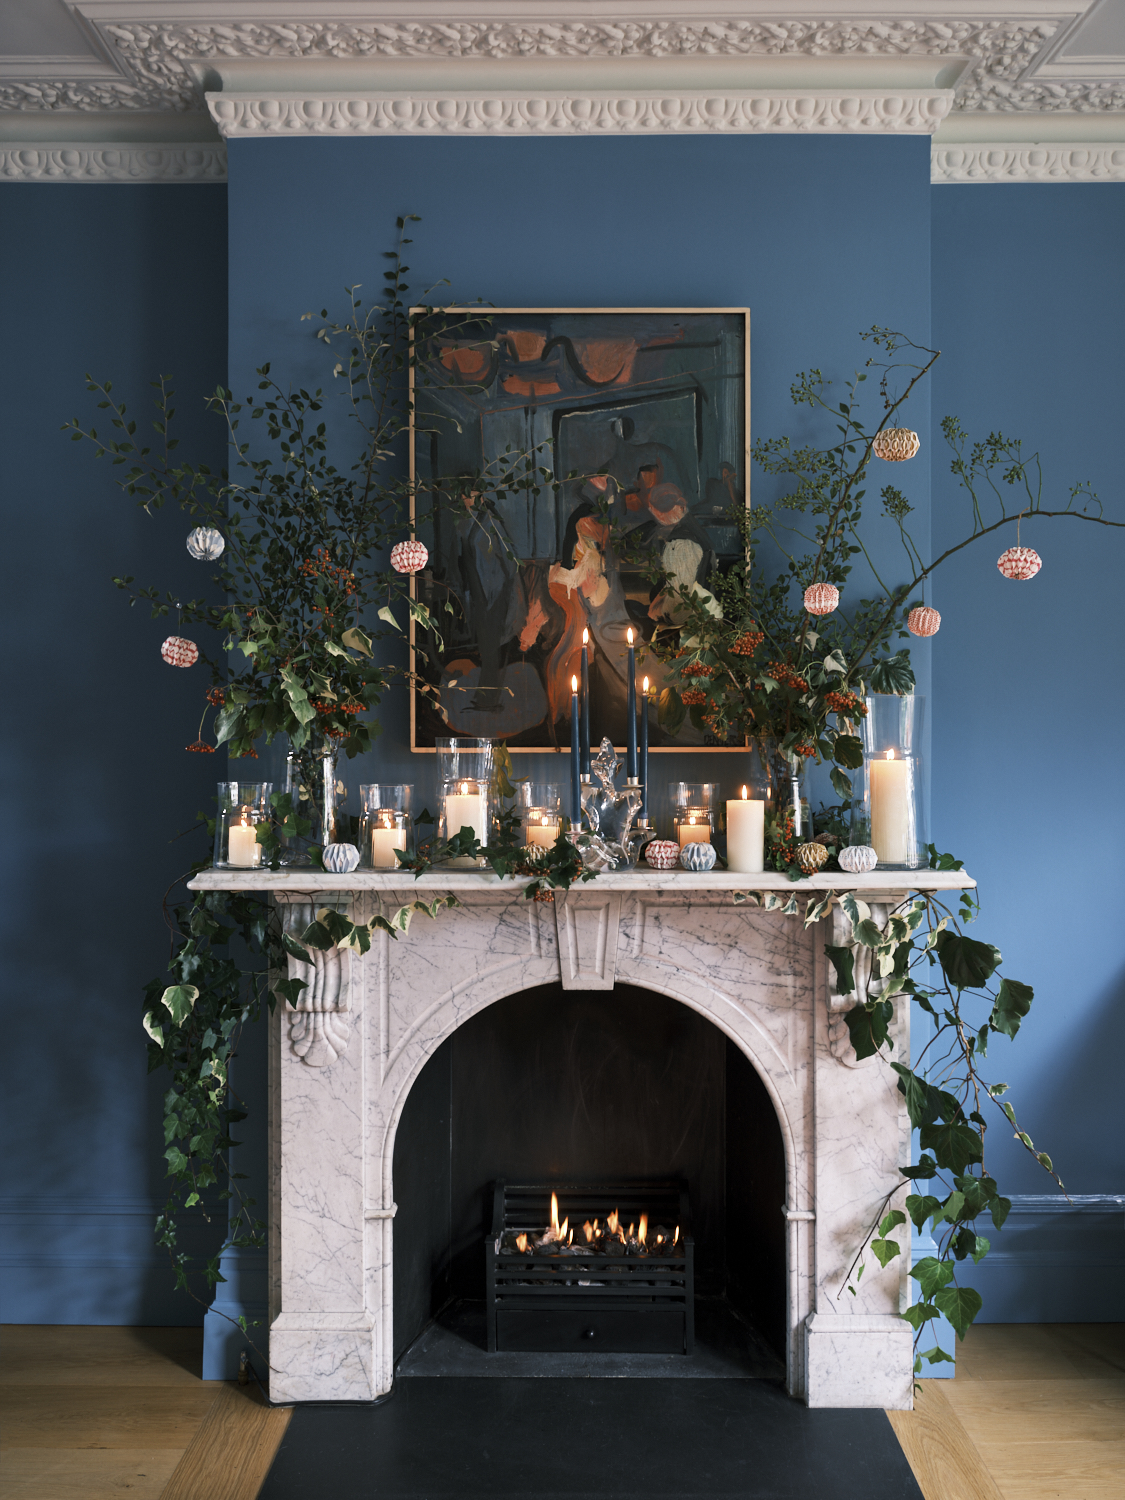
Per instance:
(178,651)
(821,598)
(858,859)
(810,857)
(923,620)
(1019,562)
(895,444)
(409,557)
(662,854)
(205,543)
(698,858)
(340,859)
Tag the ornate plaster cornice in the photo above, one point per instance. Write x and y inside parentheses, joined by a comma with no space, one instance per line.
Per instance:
(989,163)
(206,162)
(918,111)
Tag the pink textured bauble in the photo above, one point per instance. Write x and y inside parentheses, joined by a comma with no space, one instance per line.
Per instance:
(821,598)
(178,651)
(409,557)
(662,854)
(1019,562)
(894,444)
(923,621)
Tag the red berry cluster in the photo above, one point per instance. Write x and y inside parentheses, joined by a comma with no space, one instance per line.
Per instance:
(784,674)
(322,566)
(216,696)
(748,642)
(804,750)
(846,704)
(697,669)
(200,748)
(693,696)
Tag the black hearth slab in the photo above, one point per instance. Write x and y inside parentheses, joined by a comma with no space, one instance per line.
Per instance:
(570,1439)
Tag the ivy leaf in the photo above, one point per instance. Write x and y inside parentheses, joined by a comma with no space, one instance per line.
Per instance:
(924,1103)
(316,935)
(891,1221)
(885,1251)
(154,1029)
(294,948)
(357,640)
(843,961)
(960,1304)
(868,1025)
(227,722)
(921,1207)
(290,989)
(920,1313)
(954,1146)
(1013,1001)
(932,1275)
(1000,1208)
(926,1168)
(178,1001)
(967,964)
(936,1356)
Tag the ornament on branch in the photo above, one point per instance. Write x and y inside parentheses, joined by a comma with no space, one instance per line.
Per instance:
(409,557)
(858,859)
(178,651)
(810,857)
(923,621)
(1019,562)
(894,444)
(205,544)
(821,598)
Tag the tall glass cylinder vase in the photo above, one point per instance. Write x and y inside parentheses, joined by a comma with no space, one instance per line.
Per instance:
(464,791)
(386,826)
(890,816)
(243,807)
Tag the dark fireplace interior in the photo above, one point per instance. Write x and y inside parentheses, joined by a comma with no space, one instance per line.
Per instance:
(551,1085)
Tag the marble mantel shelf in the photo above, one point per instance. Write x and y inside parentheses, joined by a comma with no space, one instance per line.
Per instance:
(877,883)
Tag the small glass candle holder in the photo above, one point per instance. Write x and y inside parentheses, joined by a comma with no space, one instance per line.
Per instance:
(890,815)
(465,778)
(540,811)
(243,807)
(694,808)
(385,824)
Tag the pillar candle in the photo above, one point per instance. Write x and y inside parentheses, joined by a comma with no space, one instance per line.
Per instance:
(584,741)
(890,810)
(696,830)
(542,830)
(575,758)
(465,809)
(643,770)
(746,834)
(385,839)
(631,710)
(243,848)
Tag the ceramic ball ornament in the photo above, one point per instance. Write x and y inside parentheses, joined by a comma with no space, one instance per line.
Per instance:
(923,621)
(205,544)
(178,651)
(821,598)
(409,557)
(858,859)
(698,858)
(810,857)
(1019,563)
(895,444)
(662,854)
(340,859)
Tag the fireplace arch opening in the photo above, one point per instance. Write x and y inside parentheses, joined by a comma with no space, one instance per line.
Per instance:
(551,1085)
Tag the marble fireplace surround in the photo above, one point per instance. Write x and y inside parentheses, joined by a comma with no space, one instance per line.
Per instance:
(343,1062)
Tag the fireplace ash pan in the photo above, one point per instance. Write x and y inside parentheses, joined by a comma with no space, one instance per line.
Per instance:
(559,1300)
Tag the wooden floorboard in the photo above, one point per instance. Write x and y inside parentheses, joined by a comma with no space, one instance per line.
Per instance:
(230,1455)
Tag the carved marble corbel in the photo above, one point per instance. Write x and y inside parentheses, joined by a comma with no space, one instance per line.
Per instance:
(588,923)
(318,1028)
(868,983)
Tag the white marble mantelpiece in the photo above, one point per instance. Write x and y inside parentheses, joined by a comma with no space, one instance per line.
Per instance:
(343,1062)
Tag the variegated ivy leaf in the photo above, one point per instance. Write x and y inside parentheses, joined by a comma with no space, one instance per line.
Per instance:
(773,902)
(178,1000)
(154,1029)
(741,898)
(818,907)
(857,911)
(935,932)
(386,614)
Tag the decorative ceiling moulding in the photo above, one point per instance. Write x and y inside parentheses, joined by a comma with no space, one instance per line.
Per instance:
(113,163)
(989,163)
(917,112)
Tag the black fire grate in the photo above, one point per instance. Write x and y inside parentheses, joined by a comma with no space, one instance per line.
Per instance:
(578,1298)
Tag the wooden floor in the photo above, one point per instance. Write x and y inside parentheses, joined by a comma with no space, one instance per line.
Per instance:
(95,1413)
(1035,1413)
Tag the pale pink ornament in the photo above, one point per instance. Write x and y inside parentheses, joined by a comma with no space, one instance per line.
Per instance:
(662,854)
(409,557)
(894,444)
(923,621)
(821,598)
(1019,562)
(178,651)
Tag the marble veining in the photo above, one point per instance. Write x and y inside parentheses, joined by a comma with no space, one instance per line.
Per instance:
(344,1059)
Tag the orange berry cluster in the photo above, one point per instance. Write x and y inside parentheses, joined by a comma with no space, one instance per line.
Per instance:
(845,703)
(336,708)
(693,696)
(804,750)
(784,674)
(697,669)
(216,696)
(250,754)
(322,566)
(200,748)
(748,642)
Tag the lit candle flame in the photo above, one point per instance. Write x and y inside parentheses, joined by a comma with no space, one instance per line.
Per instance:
(464,789)
(692,822)
(574,684)
(629,635)
(645,688)
(890,755)
(585,637)
(744,794)
(543,820)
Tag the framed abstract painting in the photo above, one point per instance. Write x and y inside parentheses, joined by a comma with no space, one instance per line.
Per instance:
(561,459)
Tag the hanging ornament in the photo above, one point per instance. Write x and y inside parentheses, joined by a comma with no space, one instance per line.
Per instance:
(178,651)
(810,857)
(409,557)
(205,543)
(894,444)
(923,621)
(858,859)
(1019,562)
(821,598)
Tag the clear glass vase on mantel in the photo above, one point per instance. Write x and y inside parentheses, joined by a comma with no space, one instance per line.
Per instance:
(780,780)
(311,777)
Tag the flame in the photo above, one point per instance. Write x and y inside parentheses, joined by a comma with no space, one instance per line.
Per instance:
(563,1230)
(643,1232)
(570,1236)
(629,635)
(596,1229)
(585,637)
(744,794)
(692,821)
(521,1243)
(890,755)
(644,689)
(554,1213)
(574,684)
(676,1236)
(632,1227)
(589,1231)
(464,789)
(244,818)
(611,1222)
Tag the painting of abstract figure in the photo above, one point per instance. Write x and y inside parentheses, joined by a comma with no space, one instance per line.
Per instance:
(635,424)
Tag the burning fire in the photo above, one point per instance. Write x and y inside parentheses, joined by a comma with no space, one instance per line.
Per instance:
(594,1240)
(521,1243)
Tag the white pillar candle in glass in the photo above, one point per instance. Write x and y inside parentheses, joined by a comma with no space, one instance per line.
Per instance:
(243,848)
(464,808)
(890,809)
(542,829)
(695,828)
(746,834)
(385,839)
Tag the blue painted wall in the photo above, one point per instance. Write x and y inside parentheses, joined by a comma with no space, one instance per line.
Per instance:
(124,282)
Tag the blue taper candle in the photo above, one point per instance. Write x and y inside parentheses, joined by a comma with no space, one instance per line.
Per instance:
(575,769)
(631,711)
(644,750)
(585,741)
